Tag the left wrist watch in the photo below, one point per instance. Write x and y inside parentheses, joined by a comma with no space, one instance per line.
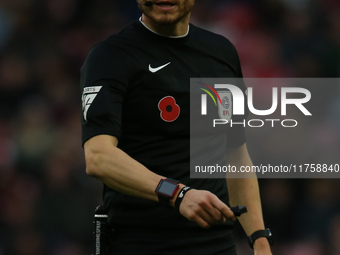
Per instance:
(260,233)
(166,189)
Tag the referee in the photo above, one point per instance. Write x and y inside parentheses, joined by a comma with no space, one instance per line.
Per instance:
(136,138)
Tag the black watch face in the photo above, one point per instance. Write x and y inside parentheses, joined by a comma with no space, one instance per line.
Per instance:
(167,188)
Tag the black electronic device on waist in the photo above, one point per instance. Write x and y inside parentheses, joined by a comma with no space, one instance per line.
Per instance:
(101,231)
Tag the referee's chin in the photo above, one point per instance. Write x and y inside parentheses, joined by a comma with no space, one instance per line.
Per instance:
(164,19)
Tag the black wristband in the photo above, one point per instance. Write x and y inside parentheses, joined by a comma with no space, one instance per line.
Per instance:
(180,197)
(260,233)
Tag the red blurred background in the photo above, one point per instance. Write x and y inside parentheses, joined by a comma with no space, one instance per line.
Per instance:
(46,199)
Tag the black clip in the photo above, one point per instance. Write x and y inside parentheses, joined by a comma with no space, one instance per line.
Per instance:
(238,210)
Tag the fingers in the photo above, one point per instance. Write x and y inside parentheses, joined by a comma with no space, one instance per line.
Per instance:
(205,219)
(214,213)
(202,223)
(222,219)
(223,208)
(199,218)
(205,208)
(206,216)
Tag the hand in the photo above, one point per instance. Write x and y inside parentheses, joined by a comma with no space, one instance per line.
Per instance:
(204,208)
(262,247)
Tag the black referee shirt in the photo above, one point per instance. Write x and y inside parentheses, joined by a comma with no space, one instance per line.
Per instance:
(123,84)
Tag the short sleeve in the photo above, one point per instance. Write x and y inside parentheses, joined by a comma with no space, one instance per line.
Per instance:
(104,82)
(237,133)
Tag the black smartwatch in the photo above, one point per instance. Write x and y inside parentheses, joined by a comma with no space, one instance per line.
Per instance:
(260,233)
(166,189)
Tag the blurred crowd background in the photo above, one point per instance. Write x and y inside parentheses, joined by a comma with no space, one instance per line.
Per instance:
(46,199)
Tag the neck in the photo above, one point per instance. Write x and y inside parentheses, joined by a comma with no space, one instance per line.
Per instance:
(178,29)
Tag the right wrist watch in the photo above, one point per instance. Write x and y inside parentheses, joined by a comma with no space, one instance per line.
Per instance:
(260,233)
(166,189)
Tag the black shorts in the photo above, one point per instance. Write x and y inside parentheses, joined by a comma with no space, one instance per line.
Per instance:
(172,242)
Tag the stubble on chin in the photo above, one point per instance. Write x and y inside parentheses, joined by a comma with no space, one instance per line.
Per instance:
(167,20)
